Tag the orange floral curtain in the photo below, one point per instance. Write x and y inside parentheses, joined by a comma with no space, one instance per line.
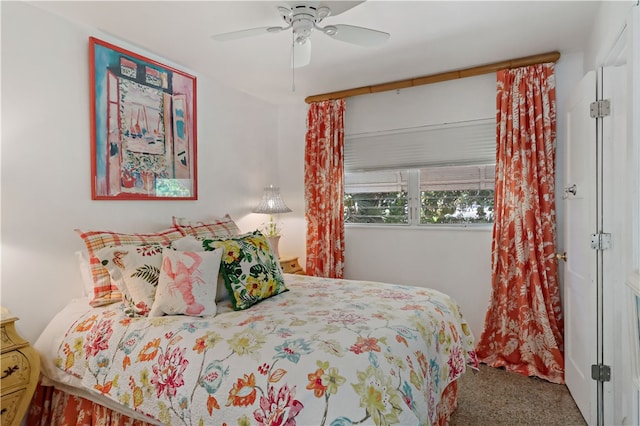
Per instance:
(324,188)
(523,329)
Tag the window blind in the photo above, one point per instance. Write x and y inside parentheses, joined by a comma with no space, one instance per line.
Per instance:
(378,181)
(457,178)
(436,178)
(462,143)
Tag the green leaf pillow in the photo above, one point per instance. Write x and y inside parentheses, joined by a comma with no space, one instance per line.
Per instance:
(135,270)
(251,271)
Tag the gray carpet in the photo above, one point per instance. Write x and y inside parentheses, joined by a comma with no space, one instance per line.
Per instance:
(496,397)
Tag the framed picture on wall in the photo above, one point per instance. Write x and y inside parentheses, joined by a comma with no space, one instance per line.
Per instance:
(143,127)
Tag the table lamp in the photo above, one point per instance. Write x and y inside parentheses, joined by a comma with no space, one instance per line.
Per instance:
(271,204)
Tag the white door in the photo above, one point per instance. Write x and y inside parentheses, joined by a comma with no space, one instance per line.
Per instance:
(601,198)
(620,218)
(616,198)
(579,298)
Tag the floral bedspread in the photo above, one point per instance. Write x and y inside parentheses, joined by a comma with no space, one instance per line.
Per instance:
(327,352)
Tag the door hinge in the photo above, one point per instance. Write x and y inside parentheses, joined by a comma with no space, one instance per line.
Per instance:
(601,108)
(600,241)
(601,372)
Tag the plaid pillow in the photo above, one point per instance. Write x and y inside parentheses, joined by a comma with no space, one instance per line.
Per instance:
(210,227)
(104,290)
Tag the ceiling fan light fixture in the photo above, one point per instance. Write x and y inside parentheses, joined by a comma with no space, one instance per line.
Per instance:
(302,29)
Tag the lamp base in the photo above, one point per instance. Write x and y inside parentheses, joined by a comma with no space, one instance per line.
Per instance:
(273,242)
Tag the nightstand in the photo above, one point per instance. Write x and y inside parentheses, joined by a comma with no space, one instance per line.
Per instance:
(290,265)
(20,366)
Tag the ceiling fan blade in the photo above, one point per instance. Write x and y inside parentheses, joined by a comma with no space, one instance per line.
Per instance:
(301,54)
(358,35)
(234,35)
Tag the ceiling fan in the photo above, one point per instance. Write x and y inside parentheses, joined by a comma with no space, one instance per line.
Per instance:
(304,17)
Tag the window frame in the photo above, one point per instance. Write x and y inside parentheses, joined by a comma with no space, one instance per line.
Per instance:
(414,205)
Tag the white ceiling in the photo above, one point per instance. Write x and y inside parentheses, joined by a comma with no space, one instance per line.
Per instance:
(427,37)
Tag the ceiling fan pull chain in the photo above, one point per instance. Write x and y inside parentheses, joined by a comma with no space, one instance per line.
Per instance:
(293,79)
(293,63)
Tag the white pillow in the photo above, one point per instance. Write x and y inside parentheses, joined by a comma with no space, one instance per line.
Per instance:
(85,272)
(187,283)
(135,270)
(190,243)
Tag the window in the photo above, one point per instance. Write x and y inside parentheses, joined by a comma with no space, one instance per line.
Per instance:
(376,197)
(457,194)
(431,175)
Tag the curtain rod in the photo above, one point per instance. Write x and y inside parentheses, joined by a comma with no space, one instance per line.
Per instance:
(436,78)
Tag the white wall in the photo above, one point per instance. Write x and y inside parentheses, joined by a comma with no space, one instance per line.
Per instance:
(46,178)
(291,142)
(452,260)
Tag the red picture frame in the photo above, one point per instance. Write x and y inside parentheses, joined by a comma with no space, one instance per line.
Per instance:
(143,127)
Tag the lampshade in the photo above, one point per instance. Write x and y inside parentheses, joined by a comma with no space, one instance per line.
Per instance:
(271,202)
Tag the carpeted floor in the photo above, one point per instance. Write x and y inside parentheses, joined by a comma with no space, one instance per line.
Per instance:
(497,397)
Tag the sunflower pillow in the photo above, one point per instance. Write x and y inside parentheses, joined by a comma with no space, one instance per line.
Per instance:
(251,271)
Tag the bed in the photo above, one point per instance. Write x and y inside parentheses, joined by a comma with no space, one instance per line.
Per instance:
(314,351)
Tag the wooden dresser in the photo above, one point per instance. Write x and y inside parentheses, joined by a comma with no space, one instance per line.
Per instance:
(20,366)
(290,265)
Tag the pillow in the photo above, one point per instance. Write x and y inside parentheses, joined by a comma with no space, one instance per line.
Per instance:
(104,291)
(188,282)
(85,272)
(250,270)
(210,227)
(190,243)
(135,270)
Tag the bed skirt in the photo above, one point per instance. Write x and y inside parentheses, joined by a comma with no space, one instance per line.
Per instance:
(54,407)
